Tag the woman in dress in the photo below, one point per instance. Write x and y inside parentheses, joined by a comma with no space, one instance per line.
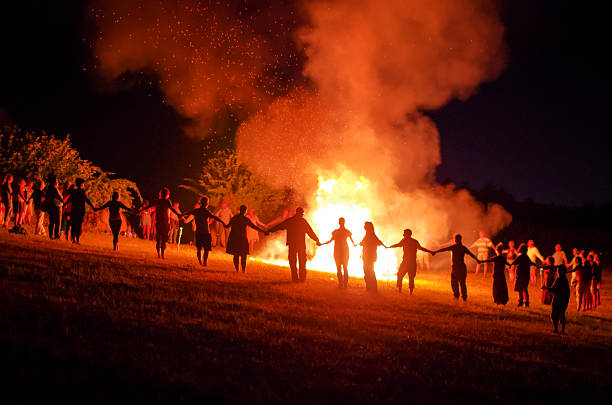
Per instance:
(114,216)
(370,243)
(500,287)
(237,242)
(252,234)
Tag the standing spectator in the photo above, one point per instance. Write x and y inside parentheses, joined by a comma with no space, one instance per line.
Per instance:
(581,283)
(252,233)
(297,229)
(225,214)
(38,198)
(53,204)
(559,257)
(534,255)
(458,267)
(596,283)
(7,199)
(550,272)
(30,207)
(370,243)
(21,203)
(482,245)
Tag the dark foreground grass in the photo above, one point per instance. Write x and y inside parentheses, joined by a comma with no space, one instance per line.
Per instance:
(86,325)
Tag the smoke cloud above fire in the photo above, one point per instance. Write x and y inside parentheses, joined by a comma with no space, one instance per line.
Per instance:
(329,88)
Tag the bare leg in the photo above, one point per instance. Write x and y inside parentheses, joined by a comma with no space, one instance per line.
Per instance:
(236,262)
(243,262)
(477,268)
(205,258)
(199,255)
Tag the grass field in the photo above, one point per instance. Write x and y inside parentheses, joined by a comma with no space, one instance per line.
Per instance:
(84,324)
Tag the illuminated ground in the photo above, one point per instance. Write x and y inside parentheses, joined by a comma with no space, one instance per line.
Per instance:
(84,324)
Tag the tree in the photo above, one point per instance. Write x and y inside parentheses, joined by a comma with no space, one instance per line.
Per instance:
(223,178)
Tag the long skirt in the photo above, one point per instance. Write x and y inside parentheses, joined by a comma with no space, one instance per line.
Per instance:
(500,289)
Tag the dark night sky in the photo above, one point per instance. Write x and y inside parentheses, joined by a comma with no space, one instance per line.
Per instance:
(541,131)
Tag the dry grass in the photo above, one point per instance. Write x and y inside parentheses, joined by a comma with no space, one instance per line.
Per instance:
(85,324)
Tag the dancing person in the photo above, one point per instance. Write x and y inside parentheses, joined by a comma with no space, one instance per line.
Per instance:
(145,221)
(297,228)
(237,242)
(370,243)
(175,224)
(38,198)
(511,254)
(253,234)
(53,205)
(77,200)
(550,272)
(7,199)
(523,270)
(114,216)
(409,263)
(341,251)
(163,207)
(225,214)
(200,217)
(559,257)
(500,287)
(561,295)
(482,245)
(534,255)
(458,267)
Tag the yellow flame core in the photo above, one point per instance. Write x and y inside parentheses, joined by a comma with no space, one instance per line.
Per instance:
(350,197)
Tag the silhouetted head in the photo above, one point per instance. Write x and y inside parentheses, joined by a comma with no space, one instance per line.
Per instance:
(115,196)
(145,203)
(164,193)
(562,271)
(530,243)
(590,256)
(407,233)
(523,248)
(549,261)
(369,227)
(30,183)
(481,234)
(341,222)
(499,246)
(224,205)
(67,185)
(458,238)
(21,183)
(578,260)
(575,252)
(40,185)
(8,178)
(52,180)
(243,209)
(511,244)
(79,182)
(204,201)
(299,211)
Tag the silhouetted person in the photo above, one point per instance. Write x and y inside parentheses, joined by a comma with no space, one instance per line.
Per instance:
(297,229)
(7,199)
(21,202)
(482,245)
(500,287)
(458,267)
(523,271)
(582,281)
(38,198)
(30,206)
(163,207)
(225,214)
(66,210)
(237,242)
(596,283)
(560,301)
(53,205)
(341,251)
(201,216)
(78,198)
(550,273)
(559,257)
(409,260)
(369,255)
(114,216)
(534,255)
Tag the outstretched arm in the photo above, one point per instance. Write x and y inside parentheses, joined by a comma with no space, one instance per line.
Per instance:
(252,225)
(419,247)
(446,249)
(467,251)
(398,244)
(278,227)
(102,207)
(89,203)
(126,208)
(311,233)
